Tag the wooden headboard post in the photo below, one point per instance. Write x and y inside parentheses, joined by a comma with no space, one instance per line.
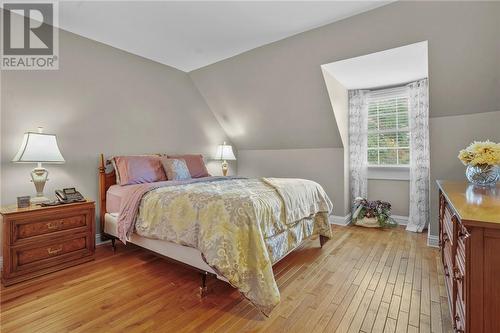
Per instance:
(105,182)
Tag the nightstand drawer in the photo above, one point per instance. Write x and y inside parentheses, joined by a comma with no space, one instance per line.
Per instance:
(24,229)
(51,253)
(40,240)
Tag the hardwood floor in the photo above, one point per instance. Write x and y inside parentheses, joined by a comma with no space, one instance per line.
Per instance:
(363,280)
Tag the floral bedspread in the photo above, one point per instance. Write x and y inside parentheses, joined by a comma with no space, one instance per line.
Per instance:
(239,225)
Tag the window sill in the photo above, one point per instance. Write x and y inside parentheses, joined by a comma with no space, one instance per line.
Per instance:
(389,172)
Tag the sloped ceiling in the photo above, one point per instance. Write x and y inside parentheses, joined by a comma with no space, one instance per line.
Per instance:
(271,98)
(274,97)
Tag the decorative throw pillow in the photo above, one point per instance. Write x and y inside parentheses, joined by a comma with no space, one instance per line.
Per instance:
(195,164)
(139,169)
(176,169)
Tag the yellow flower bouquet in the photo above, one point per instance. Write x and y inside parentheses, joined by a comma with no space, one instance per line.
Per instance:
(482,159)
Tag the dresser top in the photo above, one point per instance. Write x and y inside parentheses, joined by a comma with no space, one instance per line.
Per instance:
(12,209)
(473,203)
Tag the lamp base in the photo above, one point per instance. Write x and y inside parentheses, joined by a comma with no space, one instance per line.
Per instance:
(39,176)
(225,168)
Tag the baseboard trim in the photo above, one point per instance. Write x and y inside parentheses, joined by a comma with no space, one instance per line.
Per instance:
(432,241)
(340,220)
(402,220)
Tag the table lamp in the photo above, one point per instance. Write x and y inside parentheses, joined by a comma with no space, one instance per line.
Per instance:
(225,153)
(39,147)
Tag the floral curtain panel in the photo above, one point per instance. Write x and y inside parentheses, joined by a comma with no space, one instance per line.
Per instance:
(419,155)
(358,145)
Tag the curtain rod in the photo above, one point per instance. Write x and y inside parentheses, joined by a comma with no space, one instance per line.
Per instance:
(399,85)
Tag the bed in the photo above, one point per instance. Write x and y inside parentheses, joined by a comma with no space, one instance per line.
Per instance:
(232,228)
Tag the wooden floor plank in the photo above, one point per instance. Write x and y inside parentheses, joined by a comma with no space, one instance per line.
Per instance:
(390,325)
(402,323)
(380,319)
(362,280)
(414,318)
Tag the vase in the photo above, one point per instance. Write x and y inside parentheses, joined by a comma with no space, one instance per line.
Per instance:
(483,174)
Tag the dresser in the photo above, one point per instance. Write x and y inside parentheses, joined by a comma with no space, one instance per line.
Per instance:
(469,237)
(39,240)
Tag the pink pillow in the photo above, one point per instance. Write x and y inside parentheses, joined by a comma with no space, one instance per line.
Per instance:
(195,164)
(139,169)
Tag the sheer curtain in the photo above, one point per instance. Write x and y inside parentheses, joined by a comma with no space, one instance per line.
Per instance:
(358,145)
(418,111)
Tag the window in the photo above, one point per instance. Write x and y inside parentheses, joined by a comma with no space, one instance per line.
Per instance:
(388,130)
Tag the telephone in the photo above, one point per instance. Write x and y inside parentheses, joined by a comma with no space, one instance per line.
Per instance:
(69,195)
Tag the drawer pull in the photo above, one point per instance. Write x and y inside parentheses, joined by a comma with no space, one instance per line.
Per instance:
(51,225)
(55,250)
(462,235)
(458,276)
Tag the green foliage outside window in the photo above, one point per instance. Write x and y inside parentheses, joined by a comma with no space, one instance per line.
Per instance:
(388,132)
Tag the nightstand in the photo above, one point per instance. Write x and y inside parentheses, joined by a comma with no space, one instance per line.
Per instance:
(39,240)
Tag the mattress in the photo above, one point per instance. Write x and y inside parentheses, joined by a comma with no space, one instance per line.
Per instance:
(115,195)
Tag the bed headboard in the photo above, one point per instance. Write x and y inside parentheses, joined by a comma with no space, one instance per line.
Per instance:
(106,179)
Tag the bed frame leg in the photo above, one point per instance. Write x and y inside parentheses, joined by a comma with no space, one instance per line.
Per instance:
(113,244)
(323,240)
(203,286)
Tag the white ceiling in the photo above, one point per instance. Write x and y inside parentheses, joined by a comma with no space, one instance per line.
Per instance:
(190,35)
(382,69)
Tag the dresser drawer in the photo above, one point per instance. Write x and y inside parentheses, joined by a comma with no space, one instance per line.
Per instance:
(448,223)
(459,318)
(460,277)
(46,254)
(41,240)
(448,268)
(462,238)
(25,229)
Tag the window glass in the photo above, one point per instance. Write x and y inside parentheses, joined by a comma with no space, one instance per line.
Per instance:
(388,132)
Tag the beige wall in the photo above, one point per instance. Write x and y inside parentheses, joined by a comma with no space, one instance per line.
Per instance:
(450,134)
(100,100)
(339,99)
(274,97)
(394,191)
(320,165)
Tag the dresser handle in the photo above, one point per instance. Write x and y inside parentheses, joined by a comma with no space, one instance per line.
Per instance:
(54,251)
(445,237)
(51,225)
(458,276)
(462,235)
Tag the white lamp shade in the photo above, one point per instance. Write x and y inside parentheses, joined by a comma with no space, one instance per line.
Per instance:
(39,147)
(225,152)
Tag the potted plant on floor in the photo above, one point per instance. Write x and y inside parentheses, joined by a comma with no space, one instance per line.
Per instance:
(372,214)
